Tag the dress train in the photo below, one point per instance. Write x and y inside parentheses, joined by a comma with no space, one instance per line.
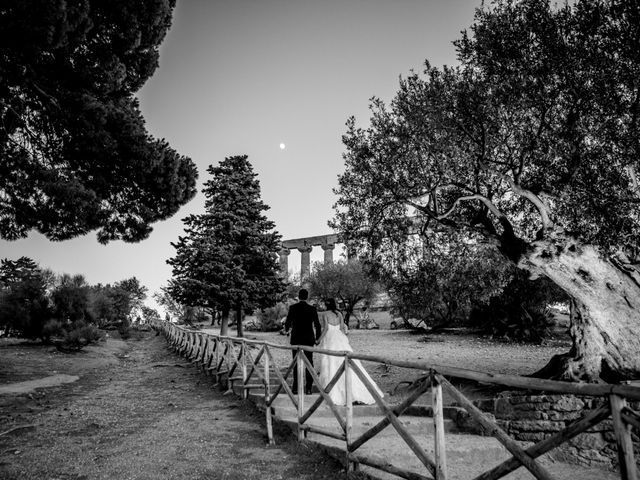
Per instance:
(329,365)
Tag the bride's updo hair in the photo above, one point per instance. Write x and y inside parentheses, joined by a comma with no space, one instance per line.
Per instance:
(330,303)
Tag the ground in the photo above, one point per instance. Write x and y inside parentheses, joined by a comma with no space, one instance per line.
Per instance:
(472,352)
(138,411)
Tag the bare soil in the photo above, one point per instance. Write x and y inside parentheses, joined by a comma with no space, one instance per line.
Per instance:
(137,411)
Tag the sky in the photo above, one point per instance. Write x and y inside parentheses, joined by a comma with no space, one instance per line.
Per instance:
(241,77)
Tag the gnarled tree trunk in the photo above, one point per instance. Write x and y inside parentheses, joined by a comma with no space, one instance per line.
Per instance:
(606,325)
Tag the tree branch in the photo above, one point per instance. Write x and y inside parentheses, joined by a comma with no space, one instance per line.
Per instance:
(542,208)
(634,179)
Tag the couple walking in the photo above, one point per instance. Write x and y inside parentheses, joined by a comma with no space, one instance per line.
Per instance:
(328,331)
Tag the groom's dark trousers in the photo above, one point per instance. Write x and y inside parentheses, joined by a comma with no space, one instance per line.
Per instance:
(302,321)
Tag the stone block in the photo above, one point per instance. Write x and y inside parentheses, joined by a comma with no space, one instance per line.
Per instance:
(603,426)
(593,458)
(568,404)
(537,426)
(503,408)
(530,436)
(543,406)
(507,411)
(589,441)
(530,415)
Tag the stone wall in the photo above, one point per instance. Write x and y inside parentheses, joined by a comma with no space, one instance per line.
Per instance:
(533,418)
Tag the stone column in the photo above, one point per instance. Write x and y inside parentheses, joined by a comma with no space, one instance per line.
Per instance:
(305,261)
(284,261)
(328,253)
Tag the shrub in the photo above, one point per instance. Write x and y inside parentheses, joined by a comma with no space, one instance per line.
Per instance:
(520,312)
(270,317)
(514,323)
(53,328)
(79,336)
(123,329)
(438,282)
(24,308)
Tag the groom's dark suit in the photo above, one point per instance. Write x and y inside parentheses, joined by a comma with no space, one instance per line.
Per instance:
(302,321)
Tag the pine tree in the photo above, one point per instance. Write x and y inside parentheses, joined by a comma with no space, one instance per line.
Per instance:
(227,258)
(75,152)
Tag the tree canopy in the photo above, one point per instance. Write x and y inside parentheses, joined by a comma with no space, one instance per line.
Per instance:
(440,282)
(536,130)
(227,257)
(76,155)
(24,306)
(37,303)
(346,281)
(532,142)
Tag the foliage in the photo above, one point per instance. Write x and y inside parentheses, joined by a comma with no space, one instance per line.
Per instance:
(15,271)
(128,296)
(102,305)
(70,298)
(149,314)
(70,336)
(116,304)
(124,327)
(346,281)
(535,131)
(52,328)
(532,143)
(76,155)
(438,282)
(293,284)
(24,307)
(35,303)
(227,257)
(171,306)
(79,336)
(521,311)
(270,317)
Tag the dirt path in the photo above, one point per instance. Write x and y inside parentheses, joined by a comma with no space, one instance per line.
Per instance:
(137,412)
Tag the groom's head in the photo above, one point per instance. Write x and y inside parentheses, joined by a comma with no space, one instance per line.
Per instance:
(303,294)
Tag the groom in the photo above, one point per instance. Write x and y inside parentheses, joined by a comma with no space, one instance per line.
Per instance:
(302,321)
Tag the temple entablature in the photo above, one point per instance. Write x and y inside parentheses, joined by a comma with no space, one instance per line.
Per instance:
(305,246)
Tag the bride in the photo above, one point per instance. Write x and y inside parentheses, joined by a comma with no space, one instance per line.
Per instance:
(334,337)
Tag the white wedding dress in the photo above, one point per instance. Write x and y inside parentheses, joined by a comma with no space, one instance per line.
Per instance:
(329,365)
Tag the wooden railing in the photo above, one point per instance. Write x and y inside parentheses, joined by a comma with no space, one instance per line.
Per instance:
(252,363)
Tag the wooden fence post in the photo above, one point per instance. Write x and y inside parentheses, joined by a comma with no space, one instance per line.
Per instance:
(623,438)
(438,429)
(227,360)
(348,430)
(243,366)
(216,352)
(267,397)
(300,379)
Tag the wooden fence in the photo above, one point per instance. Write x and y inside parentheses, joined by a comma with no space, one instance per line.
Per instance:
(252,363)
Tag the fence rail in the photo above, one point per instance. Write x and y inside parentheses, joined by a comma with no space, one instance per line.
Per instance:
(253,365)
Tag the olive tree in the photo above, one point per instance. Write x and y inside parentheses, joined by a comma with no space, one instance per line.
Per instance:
(532,142)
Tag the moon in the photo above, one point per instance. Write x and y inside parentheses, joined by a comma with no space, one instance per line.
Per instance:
(282,146)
